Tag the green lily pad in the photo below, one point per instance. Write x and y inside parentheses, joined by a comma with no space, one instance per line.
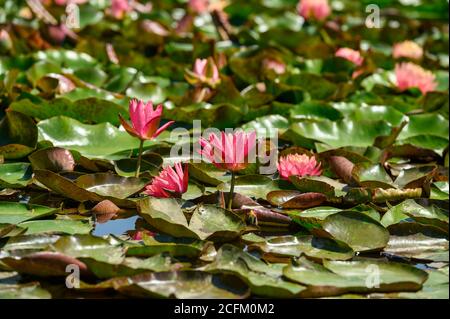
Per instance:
(110,185)
(215,223)
(42,263)
(130,266)
(293,246)
(267,126)
(64,186)
(58,226)
(181,284)
(264,279)
(257,186)
(368,175)
(357,230)
(343,132)
(18,135)
(410,209)
(127,167)
(10,230)
(105,250)
(15,175)
(90,140)
(89,110)
(153,245)
(220,115)
(15,213)
(207,221)
(314,110)
(359,276)
(207,173)
(30,242)
(439,190)
(418,246)
(66,58)
(23,291)
(147,92)
(165,214)
(295,199)
(312,217)
(316,184)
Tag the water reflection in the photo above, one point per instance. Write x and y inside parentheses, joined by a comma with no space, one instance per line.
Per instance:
(115,226)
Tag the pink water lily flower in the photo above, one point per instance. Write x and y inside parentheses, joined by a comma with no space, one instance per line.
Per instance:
(169,183)
(410,75)
(298,165)
(351,55)
(119,8)
(314,9)
(144,120)
(229,151)
(205,71)
(407,49)
(198,6)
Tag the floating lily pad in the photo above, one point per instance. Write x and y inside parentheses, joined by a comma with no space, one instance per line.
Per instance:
(24,291)
(207,221)
(293,246)
(15,175)
(295,199)
(263,279)
(101,249)
(181,284)
(357,230)
(339,277)
(257,186)
(18,135)
(65,226)
(176,247)
(418,246)
(90,110)
(90,140)
(410,209)
(15,213)
(105,184)
(130,266)
(342,133)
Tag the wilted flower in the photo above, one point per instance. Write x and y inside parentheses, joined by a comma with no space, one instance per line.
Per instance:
(170,182)
(407,49)
(351,55)
(229,151)
(298,165)
(205,72)
(144,120)
(318,9)
(410,75)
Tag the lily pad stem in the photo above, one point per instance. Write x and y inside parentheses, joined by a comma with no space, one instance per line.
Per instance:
(138,169)
(231,194)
